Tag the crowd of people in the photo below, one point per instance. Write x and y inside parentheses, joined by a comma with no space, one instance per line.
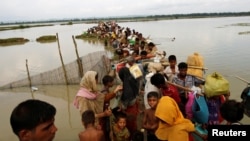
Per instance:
(175,106)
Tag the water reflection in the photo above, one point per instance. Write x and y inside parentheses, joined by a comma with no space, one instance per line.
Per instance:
(67,118)
(223,49)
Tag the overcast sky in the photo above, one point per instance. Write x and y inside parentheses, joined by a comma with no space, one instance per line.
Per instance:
(32,10)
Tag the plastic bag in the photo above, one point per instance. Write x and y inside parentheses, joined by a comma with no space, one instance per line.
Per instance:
(215,85)
(189,104)
(200,110)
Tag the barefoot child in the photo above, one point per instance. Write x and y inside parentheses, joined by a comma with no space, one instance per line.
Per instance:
(150,122)
(90,133)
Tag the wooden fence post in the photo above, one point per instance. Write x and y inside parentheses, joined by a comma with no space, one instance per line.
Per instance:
(30,84)
(64,70)
(80,67)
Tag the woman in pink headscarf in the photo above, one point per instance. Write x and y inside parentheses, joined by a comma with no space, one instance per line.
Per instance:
(89,98)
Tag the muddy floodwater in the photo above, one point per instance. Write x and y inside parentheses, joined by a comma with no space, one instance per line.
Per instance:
(218,40)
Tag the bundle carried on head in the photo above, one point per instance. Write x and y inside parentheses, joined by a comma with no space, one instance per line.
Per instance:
(215,85)
(195,65)
(155,67)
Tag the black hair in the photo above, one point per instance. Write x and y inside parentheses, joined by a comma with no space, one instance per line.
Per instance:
(153,94)
(232,111)
(142,42)
(144,53)
(119,116)
(106,79)
(171,57)
(182,65)
(157,79)
(151,44)
(119,51)
(88,117)
(136,52)
(30,113)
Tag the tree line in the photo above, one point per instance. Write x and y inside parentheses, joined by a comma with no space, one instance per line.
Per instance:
(137,18)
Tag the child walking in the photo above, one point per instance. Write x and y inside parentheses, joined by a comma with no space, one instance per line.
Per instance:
(90,133)
(150,122)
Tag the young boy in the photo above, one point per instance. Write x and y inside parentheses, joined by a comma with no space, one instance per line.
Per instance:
(150,122)
(172,69)
(108,82)
(90,133)
(158,80)
(119,130)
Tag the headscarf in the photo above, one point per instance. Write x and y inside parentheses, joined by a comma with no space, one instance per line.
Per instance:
(172,125)
(88,97)
(89,81)
(130,85)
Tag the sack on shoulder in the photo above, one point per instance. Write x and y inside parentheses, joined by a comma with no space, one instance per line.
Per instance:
(215,85)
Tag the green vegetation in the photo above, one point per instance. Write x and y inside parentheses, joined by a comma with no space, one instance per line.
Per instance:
(69,23)
(46,38)
(138,18)
(244,33)
(241,24)
(12,41)
(2,28)
(87,36)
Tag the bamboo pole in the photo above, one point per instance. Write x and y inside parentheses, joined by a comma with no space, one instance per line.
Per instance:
(30,84)
(195,67)
(243,80)
(181,87)
(64,70)
(80,67)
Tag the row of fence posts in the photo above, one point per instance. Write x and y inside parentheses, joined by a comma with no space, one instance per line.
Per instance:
(79,62)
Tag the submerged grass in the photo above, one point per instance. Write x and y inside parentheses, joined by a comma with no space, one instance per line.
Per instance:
(3,28)
(241,24)
(87,36)
(244,33)
(12,41)
(46,38)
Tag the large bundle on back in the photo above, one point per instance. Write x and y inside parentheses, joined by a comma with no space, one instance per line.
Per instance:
(195,65)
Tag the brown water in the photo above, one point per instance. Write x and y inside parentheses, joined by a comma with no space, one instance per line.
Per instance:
(223,49)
